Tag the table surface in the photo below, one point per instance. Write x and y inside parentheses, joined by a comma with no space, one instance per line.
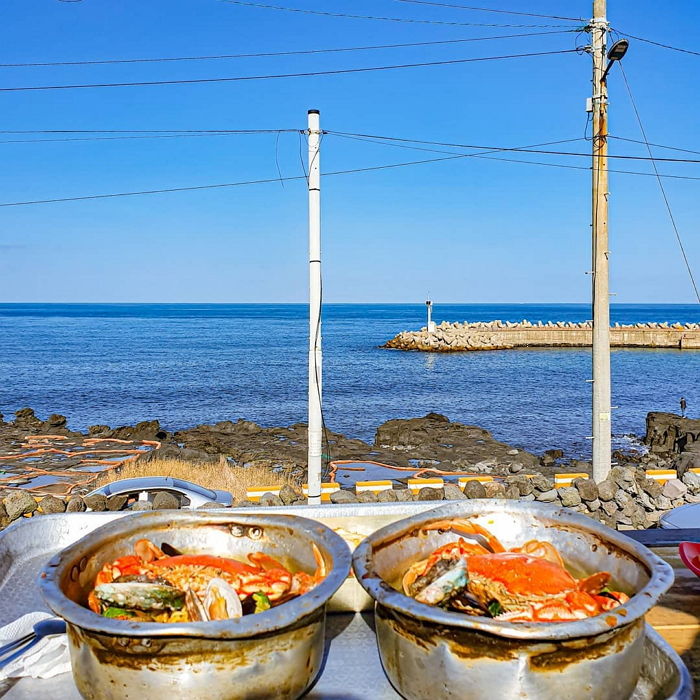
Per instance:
(677,617)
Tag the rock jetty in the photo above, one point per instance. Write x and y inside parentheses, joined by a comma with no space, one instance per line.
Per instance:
(504,335)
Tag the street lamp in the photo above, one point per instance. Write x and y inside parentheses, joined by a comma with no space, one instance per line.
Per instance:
(615,53)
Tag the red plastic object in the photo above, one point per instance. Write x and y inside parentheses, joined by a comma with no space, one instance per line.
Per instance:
(690,554)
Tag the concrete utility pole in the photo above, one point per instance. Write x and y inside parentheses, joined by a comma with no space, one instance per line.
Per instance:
(601,297)
(315,429)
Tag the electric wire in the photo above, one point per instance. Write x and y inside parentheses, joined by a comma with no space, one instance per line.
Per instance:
(518,160)
(370,168)
(519,150)
(121,138)
(340,71)
(656,43)
(304,52)
(661,185)
(490,9)
(344,15)
(657,145)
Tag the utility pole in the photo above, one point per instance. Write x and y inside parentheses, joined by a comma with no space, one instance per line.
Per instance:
(315,427)
(601,297)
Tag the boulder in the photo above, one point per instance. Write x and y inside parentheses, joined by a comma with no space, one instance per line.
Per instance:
(116,502)
(75,505)
(587,489)
(453,492)
(474,489)
(51,504)
(541,482)
(547,496)
(609,507)
(430,494)
(367,497)
(163,501)
(288,494)
(512,492)
(494,489)
(606,490)
(692,481)
(343,496)
(593,505)
(522,483)
(96,502)
(26,420)
(210,505)
(141,505)
(387,496)
(403,494)
(674,488)
(569,496)
(19,503)
(271,499)
(651,487)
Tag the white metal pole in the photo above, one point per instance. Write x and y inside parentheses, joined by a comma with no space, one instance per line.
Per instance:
(315,430)
(602,427)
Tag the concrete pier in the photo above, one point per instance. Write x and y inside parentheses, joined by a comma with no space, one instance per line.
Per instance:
(504,335)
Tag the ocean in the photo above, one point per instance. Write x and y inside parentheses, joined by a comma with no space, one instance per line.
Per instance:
(186,364)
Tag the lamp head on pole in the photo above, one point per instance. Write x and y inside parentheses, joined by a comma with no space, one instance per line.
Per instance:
(615,53)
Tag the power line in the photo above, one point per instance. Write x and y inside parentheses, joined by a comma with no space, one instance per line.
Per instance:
(344,15)
(340,71)
(148,136)
(656,43)
(661,184)
(278,53)
(514,160)
(147,131)
(490,9)
(520,150)
(328,174)
(657,145)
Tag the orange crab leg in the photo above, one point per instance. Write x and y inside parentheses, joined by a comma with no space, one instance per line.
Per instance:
(466,527)
(232,566)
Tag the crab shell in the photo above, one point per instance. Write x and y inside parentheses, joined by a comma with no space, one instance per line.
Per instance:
(520,581)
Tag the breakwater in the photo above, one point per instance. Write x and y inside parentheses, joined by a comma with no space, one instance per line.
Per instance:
(504,335)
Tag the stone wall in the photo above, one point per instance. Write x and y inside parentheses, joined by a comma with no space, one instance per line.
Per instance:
(501,335)
(626,500)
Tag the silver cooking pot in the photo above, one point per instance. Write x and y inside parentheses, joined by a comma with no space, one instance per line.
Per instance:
(431,653)
(277,653)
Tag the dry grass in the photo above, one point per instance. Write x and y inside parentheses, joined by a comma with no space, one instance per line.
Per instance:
(216,475)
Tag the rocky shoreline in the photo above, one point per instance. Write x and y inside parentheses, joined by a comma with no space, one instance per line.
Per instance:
(505,335)
(626,499)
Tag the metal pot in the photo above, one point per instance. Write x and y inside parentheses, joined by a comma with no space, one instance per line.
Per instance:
(277,653)
(428,652)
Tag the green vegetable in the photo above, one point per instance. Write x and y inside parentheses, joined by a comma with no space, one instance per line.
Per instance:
(118,612)
(495,608)
(262,602)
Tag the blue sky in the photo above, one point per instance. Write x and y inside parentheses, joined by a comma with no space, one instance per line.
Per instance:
(469,230)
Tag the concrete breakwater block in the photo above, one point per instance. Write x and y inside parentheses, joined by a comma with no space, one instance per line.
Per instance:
(496,335)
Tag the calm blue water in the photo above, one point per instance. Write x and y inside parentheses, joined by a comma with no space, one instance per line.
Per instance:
(189,364)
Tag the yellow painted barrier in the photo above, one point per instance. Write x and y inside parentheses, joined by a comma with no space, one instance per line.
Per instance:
(255,493)
(463,480)
(375,486)
(661,475)
(417,484)
(567,479)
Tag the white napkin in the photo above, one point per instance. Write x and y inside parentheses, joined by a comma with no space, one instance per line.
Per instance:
(46,659)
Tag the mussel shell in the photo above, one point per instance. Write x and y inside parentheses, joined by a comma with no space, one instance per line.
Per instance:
(137,595)
(446,585)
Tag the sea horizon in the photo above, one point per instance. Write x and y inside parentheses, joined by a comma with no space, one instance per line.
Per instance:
(191,363)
